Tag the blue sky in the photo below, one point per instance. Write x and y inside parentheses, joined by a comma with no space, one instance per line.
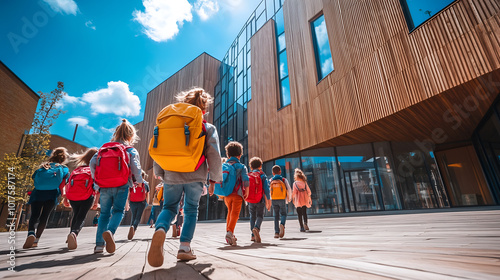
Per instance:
(111,50)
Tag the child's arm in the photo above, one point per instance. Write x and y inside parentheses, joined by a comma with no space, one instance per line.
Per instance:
(135,165)
(265,184)
(213,154)
(96,201)
(288,191)
(158,171)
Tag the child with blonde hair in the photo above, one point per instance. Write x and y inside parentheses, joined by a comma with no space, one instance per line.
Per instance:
(181,179)
(301,198)
(112,169)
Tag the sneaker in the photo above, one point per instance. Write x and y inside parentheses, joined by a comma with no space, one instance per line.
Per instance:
(151,226)
(186,256)
(29,241)
(155,254)
(35,244)
(131,233)
(98,249)
(276,235)
(72,241)
(110,242)
(302,229)
(306,227)
(282,231)
(230,239)
(256,234)
(174,231)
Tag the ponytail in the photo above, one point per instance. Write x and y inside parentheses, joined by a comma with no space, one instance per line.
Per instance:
(125,132)
(196,96)
(59,155)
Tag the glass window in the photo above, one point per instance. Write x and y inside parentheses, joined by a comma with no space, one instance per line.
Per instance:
(320,168)
(388,186)
(281,42)
(249,59)
(324,62)
(280,22)
(418,11)
(285,93)
(270,8)
(249,78)
(359,177)
(261,20)
(283,66)
(240,86)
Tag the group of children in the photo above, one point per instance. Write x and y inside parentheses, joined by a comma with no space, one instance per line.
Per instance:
(112,176)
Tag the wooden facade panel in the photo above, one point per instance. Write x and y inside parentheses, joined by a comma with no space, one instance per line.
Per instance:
(380,70)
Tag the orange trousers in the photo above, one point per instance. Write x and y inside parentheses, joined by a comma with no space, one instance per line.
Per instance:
(233,203)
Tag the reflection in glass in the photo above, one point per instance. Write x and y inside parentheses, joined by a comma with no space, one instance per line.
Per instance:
(418,11)
(283,68)
(280,22)
(385,165)
(359,177)
(324,62)
(281,42)
(288,166)
(285,93)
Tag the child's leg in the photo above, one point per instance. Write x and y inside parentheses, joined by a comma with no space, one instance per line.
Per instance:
(259,213)
(106,201)
(283,212)
(304,213)
(172,195)
(36,211)
(119,202)
(138,213)
(252,208)
(192,194)
(276,208)
(299,213)
(80,209)
(47,208)
(234,213)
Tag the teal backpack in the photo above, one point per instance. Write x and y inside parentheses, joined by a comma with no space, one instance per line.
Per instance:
(48,178)
(231,177)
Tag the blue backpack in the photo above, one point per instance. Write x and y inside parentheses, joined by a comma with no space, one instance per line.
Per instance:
(230,178)
(48,179)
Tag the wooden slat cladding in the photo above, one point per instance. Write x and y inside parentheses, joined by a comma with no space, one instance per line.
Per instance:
(203,72)
(380,69)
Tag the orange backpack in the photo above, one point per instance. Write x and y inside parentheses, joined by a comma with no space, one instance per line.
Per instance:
(178,141)
(278,189)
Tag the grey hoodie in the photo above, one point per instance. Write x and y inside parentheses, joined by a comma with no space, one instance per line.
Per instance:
(214,161)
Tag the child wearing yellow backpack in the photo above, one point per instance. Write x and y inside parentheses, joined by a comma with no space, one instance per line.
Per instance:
(185,149)
(281,194)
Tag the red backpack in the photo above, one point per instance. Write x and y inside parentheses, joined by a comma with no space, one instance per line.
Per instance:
(112,168)
(137,193)
(255,189)
(80,185)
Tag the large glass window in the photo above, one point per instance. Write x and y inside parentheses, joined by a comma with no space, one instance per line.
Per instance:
(324,62)
(322,177)
(359,177)
(385,165)
(284,86)
(418,11)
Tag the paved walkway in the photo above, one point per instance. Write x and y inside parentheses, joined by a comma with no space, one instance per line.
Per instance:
(438,245)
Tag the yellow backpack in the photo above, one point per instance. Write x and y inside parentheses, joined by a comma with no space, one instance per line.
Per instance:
(278,190)
(178,141)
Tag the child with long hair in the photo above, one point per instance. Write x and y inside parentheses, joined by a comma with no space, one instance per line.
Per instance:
(138,201)
(189,183)
(80,193)
(49,180)
(301,197)
(112,169)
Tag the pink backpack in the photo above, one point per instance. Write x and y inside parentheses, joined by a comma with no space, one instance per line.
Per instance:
(112,167)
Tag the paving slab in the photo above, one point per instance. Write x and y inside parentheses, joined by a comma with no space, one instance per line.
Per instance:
(404,245)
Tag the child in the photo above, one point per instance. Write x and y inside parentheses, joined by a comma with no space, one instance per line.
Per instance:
(281,194)
(157,204)
(191,183)
(49,180)
(112,169)
(96,219)
(79,191)
(257,196)
(234,151)
(301,197)
(137,198)
(179,219)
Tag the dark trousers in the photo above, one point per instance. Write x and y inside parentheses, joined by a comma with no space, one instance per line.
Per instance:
(256,213)
(137,208)
(40,211)
(302,212)
(80,210)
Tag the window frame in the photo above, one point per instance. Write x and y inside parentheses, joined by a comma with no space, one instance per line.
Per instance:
(316,48)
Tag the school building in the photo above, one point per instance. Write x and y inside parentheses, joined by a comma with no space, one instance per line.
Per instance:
(384,104)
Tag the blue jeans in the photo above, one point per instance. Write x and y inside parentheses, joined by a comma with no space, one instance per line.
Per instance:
(155,211)
(172,196)
(136,208)
(280,209)
(113,202)
(256,213)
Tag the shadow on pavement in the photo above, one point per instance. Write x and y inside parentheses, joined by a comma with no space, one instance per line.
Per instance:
(251,246)
(292,239)
(76,260)
(314,231)
(181,270)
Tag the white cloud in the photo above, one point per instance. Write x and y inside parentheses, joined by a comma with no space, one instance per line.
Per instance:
(60,6)
(162,18)
(68,99)
(327,66)
(90,25)
(110,130)
(82,122)
(206,8)
(115,99)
